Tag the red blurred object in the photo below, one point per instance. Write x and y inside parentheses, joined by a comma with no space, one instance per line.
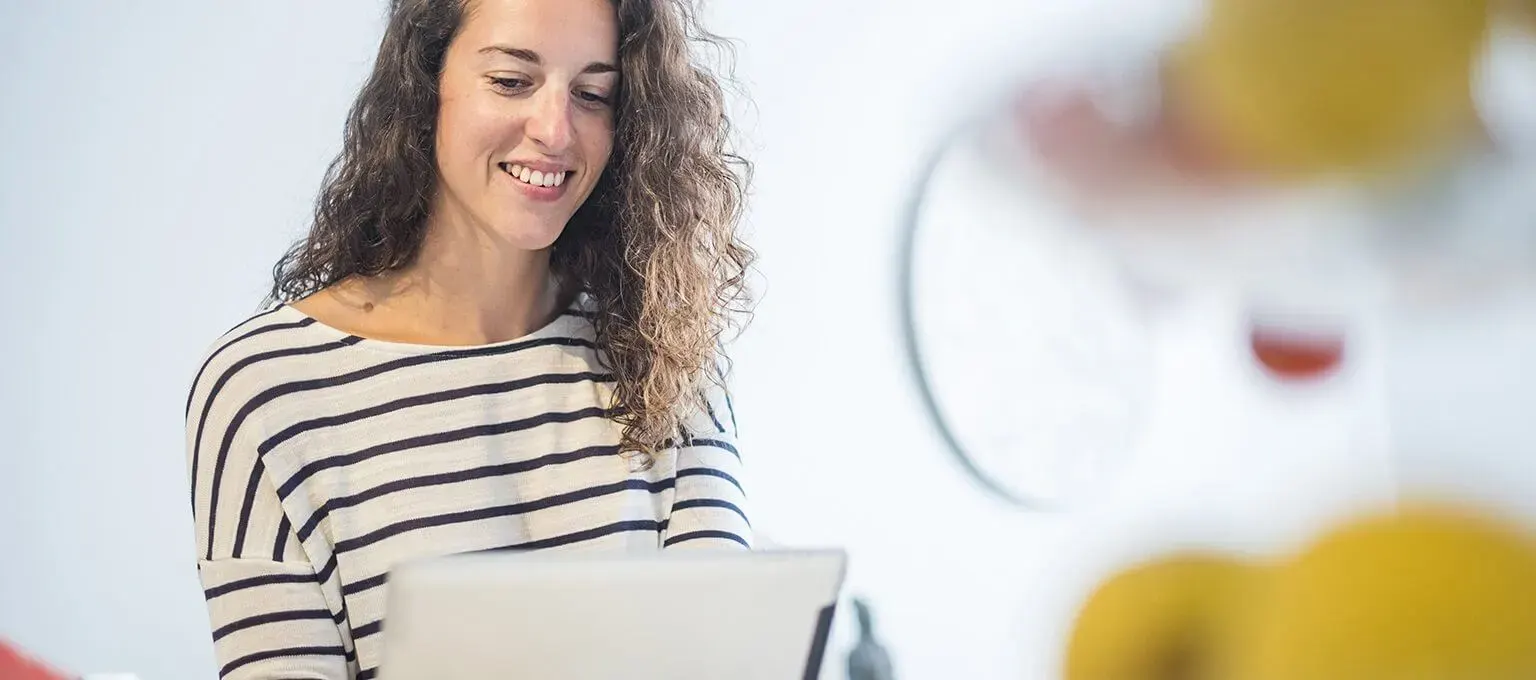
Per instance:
(17,666)
(1294,356)
(1100,157)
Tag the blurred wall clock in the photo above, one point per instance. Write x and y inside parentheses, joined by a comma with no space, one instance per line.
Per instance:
(1027,345)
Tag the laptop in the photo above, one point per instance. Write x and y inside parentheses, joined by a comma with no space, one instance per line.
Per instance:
(681,615)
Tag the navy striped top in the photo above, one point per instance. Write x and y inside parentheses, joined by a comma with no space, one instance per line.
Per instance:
(320,459)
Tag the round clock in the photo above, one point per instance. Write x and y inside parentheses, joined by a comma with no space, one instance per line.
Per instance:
(1026,344)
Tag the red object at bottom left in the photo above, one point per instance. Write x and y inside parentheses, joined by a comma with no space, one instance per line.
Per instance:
(17,666)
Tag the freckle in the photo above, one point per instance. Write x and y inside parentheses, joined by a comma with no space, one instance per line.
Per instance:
(367,307)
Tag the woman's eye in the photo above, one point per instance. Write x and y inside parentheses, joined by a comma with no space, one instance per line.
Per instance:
(593,97)
(509,84)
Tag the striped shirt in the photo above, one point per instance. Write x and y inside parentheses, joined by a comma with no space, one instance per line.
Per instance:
(319,459)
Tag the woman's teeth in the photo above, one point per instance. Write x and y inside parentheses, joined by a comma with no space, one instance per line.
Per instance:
(535,177)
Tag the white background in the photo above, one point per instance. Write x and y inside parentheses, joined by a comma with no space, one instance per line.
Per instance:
(156,157)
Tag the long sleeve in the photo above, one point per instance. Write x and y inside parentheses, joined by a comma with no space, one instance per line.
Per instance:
(271,620)
(267,605)
(709,509)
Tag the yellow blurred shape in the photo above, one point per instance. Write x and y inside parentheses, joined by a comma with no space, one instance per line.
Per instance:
(1422,595)
(1525,12)
(1307,86)
(1165,620)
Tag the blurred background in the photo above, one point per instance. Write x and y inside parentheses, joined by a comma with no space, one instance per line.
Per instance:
(159,156)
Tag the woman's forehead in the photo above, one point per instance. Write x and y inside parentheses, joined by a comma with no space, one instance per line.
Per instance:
(562,33)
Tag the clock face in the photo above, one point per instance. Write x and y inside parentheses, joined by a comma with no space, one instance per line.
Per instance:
(1027,345)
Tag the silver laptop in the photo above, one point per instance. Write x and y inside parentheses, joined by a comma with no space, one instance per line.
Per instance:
(674,615)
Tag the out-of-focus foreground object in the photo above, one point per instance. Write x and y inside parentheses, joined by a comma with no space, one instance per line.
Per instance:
(1428,594)
(1523,11)
(1168,619)
(14,665)
(1306,86)
(1425,593)
(868,660)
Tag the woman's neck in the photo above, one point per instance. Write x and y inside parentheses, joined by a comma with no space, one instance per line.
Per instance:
(465,287)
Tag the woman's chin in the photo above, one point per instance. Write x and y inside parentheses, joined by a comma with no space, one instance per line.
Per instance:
(539,241)
(529,234)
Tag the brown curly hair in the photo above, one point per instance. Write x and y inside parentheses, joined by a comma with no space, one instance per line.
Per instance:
(654,246)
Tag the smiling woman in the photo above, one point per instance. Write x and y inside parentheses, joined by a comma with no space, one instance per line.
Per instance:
(502,331)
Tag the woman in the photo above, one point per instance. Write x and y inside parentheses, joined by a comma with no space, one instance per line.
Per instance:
(499,334)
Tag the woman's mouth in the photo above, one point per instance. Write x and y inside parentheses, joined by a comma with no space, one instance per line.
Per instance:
(538,183)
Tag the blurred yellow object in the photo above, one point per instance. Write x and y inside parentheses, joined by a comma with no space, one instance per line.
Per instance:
(1427,595)
(1525,12)
(1308,86)
(1418,595)
(1166,620)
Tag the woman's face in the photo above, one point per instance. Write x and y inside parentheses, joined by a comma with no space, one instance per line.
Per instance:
(526,121)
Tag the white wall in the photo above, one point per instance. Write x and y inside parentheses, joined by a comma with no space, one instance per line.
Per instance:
(159,155)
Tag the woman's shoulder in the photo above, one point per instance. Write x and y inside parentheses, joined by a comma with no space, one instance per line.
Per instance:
(273,328)
(272,333)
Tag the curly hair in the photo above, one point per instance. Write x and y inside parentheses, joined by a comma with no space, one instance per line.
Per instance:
(655,245)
